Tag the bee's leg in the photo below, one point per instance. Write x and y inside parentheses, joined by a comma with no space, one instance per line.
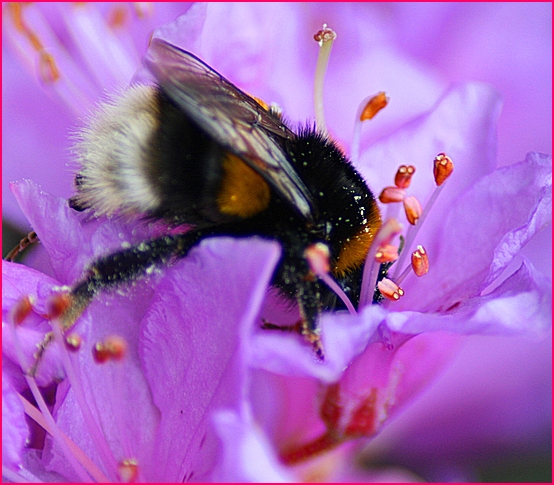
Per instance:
(117,268)
(26,241)
(295,327)
(309,303)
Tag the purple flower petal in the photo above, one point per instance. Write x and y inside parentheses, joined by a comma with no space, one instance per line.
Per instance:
(343,336)
(57,228)
(20,282)
(248,455)
(521,305)
(192,352)
(14,428)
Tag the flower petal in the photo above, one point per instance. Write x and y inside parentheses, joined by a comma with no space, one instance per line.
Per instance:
(19,282)
(14,428)
(191,348)
(57,228)
(521,305)
(247,455)
(344,337)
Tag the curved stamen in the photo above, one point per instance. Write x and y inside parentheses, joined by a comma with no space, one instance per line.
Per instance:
(325,38)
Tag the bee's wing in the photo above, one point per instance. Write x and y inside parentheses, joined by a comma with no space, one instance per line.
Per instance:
(231,117)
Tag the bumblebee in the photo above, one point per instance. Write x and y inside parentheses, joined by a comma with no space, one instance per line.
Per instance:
(194,149)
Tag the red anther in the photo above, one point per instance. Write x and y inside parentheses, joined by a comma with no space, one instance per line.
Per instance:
(317,256)
(374,105)
(392,194)
(58,304)
(413,209)
(389,289)
(99,353)
(117,347)
(128,470)
(325,34)
(22,309)
(403,176)
(73,342)
(442,168)
(420,261)
(386,254)
(117,16)
(113,348)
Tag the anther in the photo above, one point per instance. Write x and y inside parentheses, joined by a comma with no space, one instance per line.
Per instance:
(325,34)
(442,168)
(392,194)
(389,289)
(22,309)
(113,348)
(58,304)
(420,261)
(117,16)
(73,342)
(128,470)
(386,254)
(143,9)
(403,176)
(47,68)
(413,209)
(374,105)
(318,256)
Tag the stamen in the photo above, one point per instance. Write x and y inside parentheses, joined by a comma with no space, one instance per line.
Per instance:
(367,110)
(384,236)
(21,310)
(374,105)
(53,427)
(58,304)
(442,168)
(392,194)
(80,455)
(117,17)
(47,68)
(317,256)
(420,261)
(386,254)
(325,38)
(75,381)
(413,209)
(419,265)
(143,9)
(389,289)
(128,470)
(413,230)
(113,348)
(73,342)
(403,176)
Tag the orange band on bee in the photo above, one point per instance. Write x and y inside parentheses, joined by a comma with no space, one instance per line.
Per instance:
(243,192)
(354,251)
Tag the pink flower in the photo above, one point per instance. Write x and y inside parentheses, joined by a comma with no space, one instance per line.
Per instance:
(203,393)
